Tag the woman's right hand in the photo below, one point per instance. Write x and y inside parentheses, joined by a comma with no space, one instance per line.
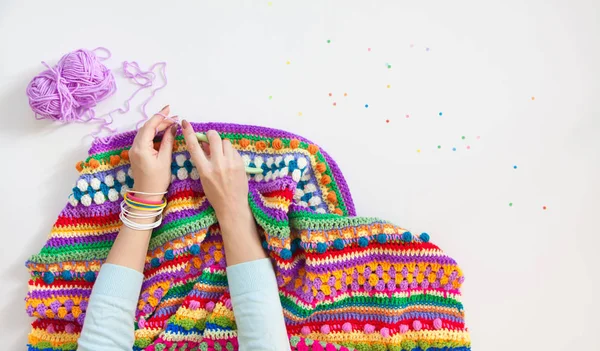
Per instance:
(222,172)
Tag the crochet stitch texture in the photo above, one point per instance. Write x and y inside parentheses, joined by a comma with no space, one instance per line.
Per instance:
(345,282)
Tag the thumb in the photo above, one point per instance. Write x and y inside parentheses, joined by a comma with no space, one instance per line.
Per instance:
(166,145)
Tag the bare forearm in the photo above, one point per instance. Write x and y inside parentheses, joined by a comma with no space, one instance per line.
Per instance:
(240,238)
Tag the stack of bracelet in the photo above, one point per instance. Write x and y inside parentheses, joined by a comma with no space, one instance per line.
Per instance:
(142,209)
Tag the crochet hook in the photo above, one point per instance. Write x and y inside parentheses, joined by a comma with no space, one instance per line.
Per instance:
(250,170)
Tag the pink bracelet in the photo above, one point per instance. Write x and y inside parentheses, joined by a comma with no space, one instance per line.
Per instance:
(144,201)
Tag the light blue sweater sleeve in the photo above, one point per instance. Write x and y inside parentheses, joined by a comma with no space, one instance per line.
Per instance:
(109,321)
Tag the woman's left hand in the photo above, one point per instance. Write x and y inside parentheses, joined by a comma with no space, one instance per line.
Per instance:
(151,168)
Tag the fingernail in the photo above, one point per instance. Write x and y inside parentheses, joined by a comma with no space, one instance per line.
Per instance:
(185,124)
(174,129)
(162,109)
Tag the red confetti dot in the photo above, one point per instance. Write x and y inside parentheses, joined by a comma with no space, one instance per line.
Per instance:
(334,104)
(544,208)
(387,121)
(330,94)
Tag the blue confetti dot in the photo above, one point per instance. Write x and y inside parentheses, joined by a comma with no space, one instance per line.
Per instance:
(453,149)
(321,247)
(89,276)
(407,236)
(338,244)
(48,277)
(440,113)
(195,249)
(363,242)
(285,254)
(67,275)
(424,237)
(366,105)
(169,255)
(515,166)
(155,262)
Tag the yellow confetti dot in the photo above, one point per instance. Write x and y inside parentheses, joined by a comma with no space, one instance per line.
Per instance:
(418,150)
(269,3)
(389,86)
(287,63)
(299,113)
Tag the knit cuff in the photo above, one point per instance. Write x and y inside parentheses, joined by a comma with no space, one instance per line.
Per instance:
(251,276)
(119,281)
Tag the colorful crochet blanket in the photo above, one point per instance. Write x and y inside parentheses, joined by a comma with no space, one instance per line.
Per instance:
(345,282)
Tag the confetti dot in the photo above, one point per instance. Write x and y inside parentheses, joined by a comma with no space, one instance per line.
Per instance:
(544,208)
(299,113)
(366,105)
(389,86)
(369,49)
(515,166)
(328,41)
(468,147)
(407,116)
(389,66)
(510,204)
(426,49)
(334,104)
(439,146)
(478,137)
(387,121)
(440,113)
(412,46)
(287,63)
(270,97)
(418,150)
(269,3)
(453,149)
(533,98)
(330,94)
(345,94)
(462,137)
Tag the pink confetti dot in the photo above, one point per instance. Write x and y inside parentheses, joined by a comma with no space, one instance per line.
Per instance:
(369,49)
(407,116)
(478,137)
(468,147)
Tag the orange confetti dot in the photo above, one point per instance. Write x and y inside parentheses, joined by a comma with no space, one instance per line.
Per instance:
(533,98)
(337,211)
(345,94)
(332,197)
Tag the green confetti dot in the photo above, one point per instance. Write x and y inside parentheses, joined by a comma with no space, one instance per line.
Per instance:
(510,204)
(389,66)
(328,41)
(439,146)
(463,137)
(270,97)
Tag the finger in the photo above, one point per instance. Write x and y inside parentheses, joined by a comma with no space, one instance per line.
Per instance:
(227,149)
(165,124)
(148,131)
(193,146)
(206,148)
(166,145)
(216,145)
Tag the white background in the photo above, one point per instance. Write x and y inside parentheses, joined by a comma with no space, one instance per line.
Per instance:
(532,278)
